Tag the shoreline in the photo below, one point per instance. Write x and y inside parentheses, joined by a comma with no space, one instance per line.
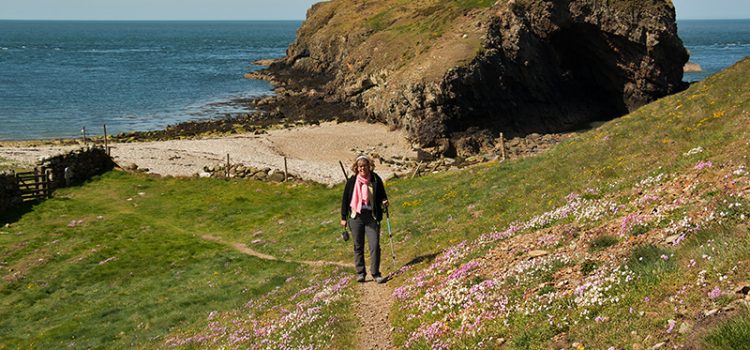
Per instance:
(312,151)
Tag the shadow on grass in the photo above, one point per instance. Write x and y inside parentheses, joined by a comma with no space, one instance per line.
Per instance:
(415,261)
(421,259)
(14,214)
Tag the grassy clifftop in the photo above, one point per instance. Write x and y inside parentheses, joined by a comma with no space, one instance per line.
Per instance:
(633,233)
(396,31)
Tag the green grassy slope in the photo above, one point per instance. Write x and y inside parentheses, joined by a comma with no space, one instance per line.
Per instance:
(121,261)
(587,246)
(137,271)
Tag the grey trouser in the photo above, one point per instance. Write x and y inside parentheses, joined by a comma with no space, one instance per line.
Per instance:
(364,224)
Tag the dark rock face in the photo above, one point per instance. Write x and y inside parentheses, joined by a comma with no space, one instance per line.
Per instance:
(542,66)
(565,66)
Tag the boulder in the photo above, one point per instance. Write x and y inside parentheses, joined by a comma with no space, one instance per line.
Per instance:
(537,253)
(276,176)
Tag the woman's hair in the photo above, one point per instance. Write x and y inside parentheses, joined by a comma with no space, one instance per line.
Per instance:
(365,158)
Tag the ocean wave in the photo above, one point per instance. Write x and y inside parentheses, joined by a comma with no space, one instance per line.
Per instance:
(121,50)
(730,45)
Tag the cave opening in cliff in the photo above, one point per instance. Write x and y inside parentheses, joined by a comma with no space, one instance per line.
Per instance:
(588,61)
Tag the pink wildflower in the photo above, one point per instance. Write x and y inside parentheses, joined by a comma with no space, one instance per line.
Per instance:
(464,270)
(703,165)
(670,325)
(630,221)
(679,239)
(715,293)
(572,197)
(402,293)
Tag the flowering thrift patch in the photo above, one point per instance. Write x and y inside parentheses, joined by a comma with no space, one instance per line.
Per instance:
(577,208)
(305,325)
(703,165)
(629,222)
(536,272)
(714,293)
(596,289)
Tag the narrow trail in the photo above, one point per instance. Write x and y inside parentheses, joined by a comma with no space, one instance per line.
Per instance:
(242,248)
(373,304)
(373,310)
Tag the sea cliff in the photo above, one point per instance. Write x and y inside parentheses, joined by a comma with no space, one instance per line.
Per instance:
(454,74)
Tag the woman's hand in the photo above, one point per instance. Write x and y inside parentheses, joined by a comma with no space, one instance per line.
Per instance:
(385,203)
(343,223)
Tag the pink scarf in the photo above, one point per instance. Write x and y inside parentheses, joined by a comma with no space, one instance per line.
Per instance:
(360,195)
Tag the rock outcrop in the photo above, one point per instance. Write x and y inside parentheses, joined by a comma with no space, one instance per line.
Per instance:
(442,69)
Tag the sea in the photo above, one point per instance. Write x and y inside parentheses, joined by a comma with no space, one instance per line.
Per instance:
(58,78)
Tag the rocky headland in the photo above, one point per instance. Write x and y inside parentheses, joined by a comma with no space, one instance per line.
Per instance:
(453,75)
(448,76)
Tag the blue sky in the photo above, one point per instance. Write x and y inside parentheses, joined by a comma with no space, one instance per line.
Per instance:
(155,9)
(257,9)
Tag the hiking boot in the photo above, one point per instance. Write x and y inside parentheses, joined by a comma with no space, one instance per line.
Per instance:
(360,278)
(379,279)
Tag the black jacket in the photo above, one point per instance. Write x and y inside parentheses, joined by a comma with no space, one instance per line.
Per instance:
(377,202)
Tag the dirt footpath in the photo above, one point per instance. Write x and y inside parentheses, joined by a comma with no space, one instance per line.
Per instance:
(312,152)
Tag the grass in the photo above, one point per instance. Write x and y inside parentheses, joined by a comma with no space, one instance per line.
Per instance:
(588,267)
(606,161)
(732,334)
(134,269)
(408,29)
(602,242)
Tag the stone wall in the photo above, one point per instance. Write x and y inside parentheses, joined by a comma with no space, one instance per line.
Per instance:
(83,164)
(10,196)
(242,171)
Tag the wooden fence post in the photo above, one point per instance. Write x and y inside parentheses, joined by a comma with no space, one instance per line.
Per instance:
(37,188)
(502,146)
(286,174)
(106,144)
(226,171)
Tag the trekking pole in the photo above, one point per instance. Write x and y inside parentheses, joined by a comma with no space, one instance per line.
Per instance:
(390,236)
(346,176)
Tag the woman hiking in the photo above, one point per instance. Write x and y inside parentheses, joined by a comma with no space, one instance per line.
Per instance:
(362,206)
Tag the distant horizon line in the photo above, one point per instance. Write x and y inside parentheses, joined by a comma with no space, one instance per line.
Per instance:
(253,20)
(150,20)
